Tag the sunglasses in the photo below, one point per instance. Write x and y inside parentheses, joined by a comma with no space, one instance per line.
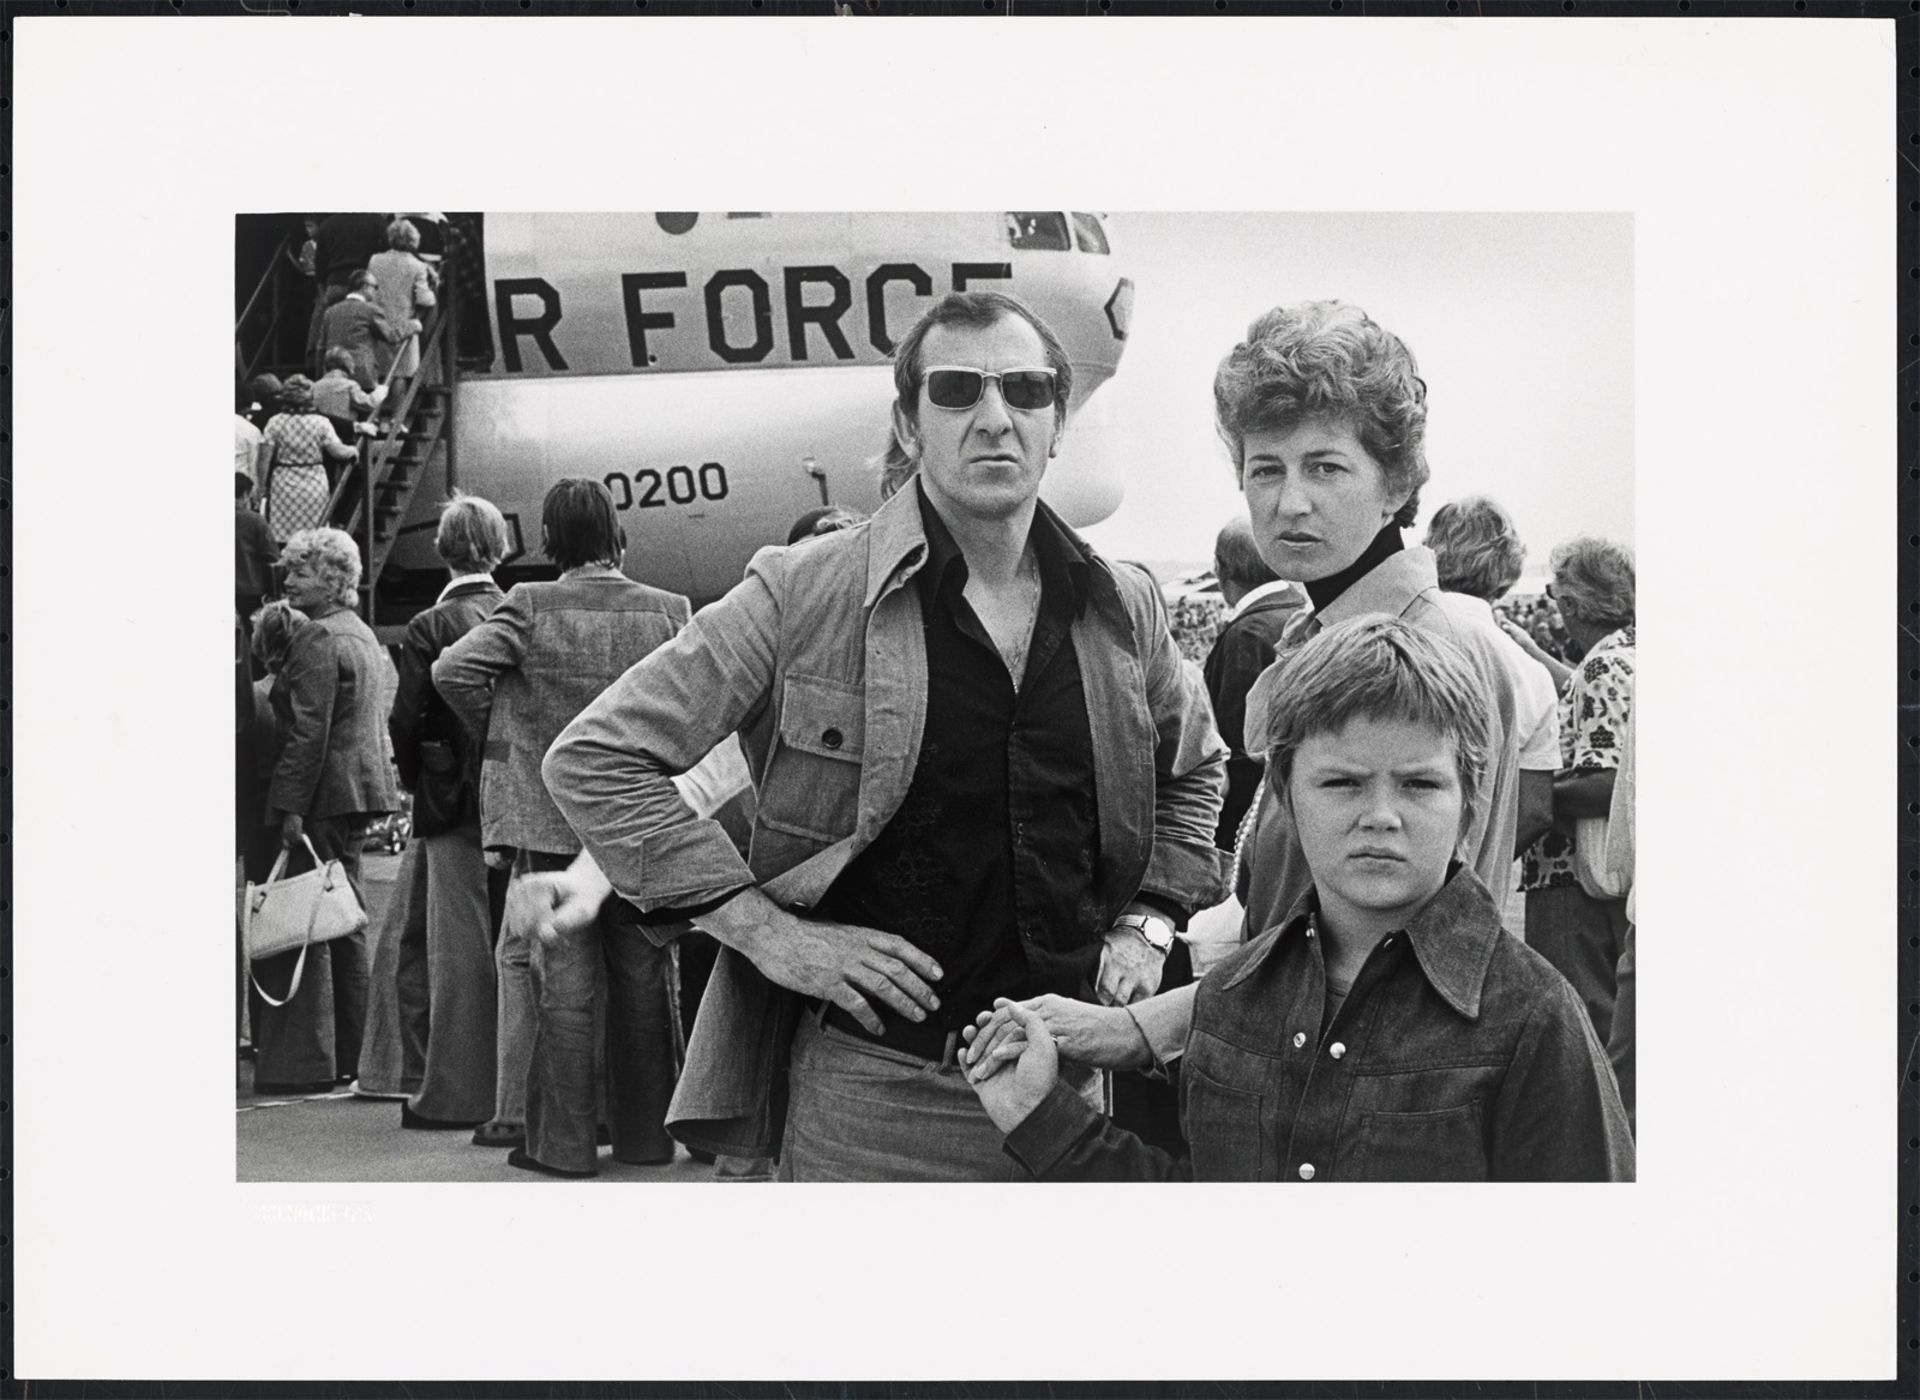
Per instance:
(955,387)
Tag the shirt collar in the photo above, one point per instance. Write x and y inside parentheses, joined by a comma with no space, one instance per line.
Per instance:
(1063,560)
(356,296)
(460,581)
(1453,939)
(1389,587)
(901,542)
(1265,590)
(592,571)
(1620,639)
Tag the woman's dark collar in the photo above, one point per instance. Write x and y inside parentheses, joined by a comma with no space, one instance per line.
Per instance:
(1385,545)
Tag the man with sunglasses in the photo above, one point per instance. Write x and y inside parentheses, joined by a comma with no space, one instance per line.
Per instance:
(980,767)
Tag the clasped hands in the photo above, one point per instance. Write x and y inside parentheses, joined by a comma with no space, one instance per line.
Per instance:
(1013,1052)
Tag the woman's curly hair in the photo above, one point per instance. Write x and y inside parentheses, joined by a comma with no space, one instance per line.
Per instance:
(1328,360)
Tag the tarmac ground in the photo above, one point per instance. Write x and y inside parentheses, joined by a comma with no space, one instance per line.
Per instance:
(339,1136)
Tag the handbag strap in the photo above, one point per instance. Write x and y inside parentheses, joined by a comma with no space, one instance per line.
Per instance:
(313,919)
(293,989)
(280,868)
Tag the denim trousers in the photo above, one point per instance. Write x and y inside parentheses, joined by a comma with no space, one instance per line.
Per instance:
(862,1112)
(385,1067)
(1583,938)
(513,1020)
(446,982)
(621,974)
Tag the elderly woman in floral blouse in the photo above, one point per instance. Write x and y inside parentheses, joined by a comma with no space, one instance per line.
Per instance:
(1583,936)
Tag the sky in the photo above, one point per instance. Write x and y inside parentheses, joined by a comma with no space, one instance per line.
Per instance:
(1522,325)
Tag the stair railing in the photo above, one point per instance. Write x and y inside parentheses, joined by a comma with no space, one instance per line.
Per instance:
(374,462)
(244,363)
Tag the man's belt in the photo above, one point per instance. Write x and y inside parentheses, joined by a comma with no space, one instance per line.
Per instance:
(924,1039)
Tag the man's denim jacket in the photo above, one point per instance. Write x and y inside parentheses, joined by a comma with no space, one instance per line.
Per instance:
(818,660)
(532,665)
(1459,1055)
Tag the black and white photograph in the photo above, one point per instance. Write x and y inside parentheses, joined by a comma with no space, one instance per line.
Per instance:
(610,416)
(1067,624)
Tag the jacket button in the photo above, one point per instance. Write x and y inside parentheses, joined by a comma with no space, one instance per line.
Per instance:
(833,738)
(1299,1039)
(1306,1171)
(1336,1050)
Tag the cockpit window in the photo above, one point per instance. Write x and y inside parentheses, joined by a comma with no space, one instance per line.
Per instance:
(1092,237)
(1043,232)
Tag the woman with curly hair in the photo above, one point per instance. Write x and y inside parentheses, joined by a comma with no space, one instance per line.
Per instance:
(1324,416)
(1443,1049)
(333,776)
(1581,934)
(405,291)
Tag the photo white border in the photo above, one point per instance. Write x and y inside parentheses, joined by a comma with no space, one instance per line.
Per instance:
(1757,159)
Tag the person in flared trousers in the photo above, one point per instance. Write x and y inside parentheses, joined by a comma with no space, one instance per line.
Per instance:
(518,678)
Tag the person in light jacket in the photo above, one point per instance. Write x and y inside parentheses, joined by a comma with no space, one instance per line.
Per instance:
(332,778)
(981,768)
(518,678)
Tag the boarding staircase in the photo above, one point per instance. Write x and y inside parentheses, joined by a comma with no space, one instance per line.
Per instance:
(371,498)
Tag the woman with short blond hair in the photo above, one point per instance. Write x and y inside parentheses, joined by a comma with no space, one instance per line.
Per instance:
(332,778)
(444,970)
(406,290)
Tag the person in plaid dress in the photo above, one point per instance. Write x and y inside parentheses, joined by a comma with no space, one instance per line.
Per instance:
(298,442)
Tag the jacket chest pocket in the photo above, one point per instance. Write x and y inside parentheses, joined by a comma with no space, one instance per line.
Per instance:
(1447,1144)
(812,783)
(1223,1128)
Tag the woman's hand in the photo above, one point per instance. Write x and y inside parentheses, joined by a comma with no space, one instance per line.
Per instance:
(1013,1083)
(293,830)
(1524,638)
(1102,1036)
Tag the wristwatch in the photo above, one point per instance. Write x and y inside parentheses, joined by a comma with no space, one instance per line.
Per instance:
(1157,931)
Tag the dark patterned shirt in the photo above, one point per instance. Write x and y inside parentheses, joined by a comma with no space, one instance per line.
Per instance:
(989,863)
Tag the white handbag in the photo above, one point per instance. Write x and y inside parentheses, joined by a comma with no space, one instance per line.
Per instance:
(314,907)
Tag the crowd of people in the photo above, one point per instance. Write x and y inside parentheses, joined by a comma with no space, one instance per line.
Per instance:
(892,863)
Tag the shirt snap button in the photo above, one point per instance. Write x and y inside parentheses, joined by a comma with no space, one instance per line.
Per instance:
(1299,1039)
(1306,1171)
(833,738)
(1336,1050)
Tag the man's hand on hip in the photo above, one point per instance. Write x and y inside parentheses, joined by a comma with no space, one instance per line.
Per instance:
(849,966)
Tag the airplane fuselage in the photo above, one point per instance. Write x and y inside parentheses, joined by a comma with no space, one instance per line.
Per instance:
(723,374)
